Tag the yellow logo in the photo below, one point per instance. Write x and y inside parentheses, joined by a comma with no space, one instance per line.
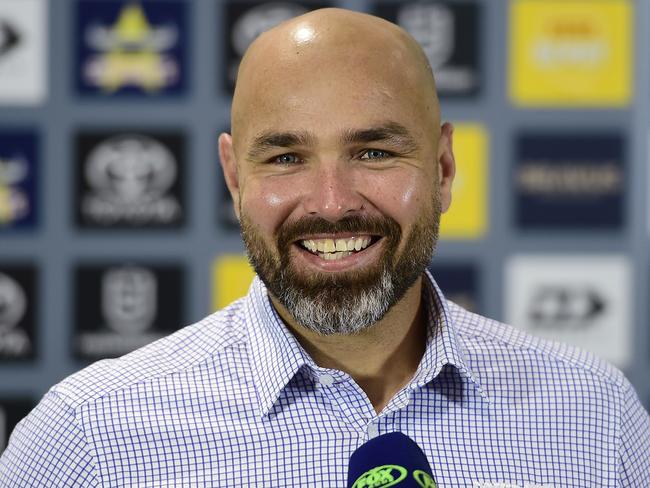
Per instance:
(231,278)
(571,52)
(468,214)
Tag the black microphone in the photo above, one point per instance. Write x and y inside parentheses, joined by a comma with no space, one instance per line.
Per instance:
(390,460)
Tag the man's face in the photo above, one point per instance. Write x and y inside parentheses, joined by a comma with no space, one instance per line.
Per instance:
(337,189)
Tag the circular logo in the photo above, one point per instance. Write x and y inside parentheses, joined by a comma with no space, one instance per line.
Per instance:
(13,303)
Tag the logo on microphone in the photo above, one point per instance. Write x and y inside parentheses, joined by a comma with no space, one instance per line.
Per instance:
(381,477)
(390,475)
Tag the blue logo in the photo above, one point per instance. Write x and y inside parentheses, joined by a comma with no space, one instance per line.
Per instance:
(131,48)
(18,166)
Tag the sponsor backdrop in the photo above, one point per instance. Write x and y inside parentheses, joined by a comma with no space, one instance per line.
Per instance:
(116,228)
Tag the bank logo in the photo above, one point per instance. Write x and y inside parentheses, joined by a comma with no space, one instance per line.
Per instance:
(12,411)
(18,166)
(231,278)
(449,34)
(17,289)
(571,52)
(574,299)
(467,218)
(123,307)
(23,35)
(247,20)
(129,180)
(569,181)
(131,47)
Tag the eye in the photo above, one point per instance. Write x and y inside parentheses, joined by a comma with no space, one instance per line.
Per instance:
(286,159)
(374,154)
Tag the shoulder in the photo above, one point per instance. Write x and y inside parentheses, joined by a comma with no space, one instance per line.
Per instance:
(217,336)
(512,352)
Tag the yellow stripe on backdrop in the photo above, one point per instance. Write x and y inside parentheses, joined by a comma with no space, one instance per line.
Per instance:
(231,278)
(467,218)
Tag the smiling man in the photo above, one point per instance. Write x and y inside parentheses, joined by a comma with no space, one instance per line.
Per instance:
(339,169)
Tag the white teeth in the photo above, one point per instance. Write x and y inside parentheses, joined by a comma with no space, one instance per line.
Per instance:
(336,249)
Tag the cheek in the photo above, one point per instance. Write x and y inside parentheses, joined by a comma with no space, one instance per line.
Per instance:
(267,203)
(402,195)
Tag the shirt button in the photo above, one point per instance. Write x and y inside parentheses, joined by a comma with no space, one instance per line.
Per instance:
(373,430)
(326,380)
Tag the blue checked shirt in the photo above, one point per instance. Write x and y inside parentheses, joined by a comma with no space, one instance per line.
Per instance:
(235,401)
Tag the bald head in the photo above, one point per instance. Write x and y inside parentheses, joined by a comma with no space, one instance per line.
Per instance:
(328,46)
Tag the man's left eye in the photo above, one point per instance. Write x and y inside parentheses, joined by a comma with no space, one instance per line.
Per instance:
(374,154)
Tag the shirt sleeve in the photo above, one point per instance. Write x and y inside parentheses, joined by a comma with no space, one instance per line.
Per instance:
(634,467)
(48,448)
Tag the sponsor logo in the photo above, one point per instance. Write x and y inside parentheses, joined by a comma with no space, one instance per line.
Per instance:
(565,307)
(16,324)
(448,34)
(131,47)
(122,308)
(17,181)
(569,181)
(381,477)
(23,37)
(9,38)
(574,299)
(130,180)
(129,299)
(248,20)
(571,53)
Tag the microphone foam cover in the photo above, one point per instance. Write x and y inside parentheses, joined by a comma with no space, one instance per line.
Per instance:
(389,460)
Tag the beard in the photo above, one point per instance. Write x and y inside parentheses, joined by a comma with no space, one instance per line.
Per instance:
(343,302)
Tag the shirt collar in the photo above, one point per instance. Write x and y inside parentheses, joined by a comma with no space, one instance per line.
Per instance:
(276,356)
(444,344)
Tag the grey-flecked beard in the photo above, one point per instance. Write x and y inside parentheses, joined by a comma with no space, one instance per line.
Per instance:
(350,302)
(351,315)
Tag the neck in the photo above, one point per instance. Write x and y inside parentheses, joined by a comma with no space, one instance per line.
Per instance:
(381,359)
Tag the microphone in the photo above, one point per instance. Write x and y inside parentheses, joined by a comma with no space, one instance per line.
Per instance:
(390,460)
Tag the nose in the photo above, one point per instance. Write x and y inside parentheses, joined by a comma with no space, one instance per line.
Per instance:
(333,192)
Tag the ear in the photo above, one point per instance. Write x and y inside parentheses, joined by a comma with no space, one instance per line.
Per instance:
(229,168)
(446,164)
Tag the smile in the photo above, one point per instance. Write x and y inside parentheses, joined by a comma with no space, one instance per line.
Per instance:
(334,249)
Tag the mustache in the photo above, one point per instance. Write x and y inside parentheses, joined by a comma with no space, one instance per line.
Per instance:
(381,226)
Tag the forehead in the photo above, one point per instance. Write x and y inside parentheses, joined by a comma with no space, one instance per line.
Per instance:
(337,88)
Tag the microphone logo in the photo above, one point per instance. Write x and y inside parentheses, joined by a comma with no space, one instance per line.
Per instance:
(381,477)
(424,479)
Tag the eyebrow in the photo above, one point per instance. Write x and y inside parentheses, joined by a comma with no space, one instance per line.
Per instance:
(271,140)
(390,133)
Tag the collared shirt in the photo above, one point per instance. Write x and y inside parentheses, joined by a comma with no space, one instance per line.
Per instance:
(234,400)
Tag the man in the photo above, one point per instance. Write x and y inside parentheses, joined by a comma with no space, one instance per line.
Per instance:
(339,170)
